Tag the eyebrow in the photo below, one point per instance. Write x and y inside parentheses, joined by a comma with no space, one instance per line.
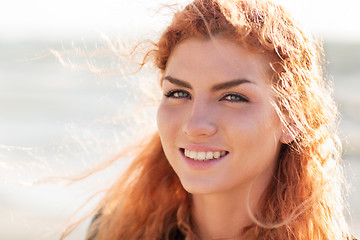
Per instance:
(178,82)
(216,87)
(229,84)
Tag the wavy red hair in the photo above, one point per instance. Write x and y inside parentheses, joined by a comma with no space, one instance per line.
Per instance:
(304,199)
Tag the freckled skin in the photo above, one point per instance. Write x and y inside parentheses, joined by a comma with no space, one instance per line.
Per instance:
(248,127)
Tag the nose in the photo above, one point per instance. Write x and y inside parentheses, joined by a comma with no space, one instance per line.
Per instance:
(200,121)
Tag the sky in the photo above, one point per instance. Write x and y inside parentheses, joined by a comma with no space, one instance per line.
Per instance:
(41,19)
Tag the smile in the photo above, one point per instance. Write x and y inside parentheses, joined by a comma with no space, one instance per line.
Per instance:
(203,156)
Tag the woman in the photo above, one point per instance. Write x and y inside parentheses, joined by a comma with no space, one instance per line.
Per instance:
(246,147)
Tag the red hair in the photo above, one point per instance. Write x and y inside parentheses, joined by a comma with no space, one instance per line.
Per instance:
(303,201)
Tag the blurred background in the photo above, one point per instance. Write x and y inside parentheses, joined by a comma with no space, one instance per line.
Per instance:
(58,118)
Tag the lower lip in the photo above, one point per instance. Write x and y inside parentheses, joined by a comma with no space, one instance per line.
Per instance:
(201,165)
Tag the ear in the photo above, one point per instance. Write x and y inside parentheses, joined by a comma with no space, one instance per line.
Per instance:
(288,135)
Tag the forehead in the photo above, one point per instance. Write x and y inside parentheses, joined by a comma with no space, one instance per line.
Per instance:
(216,59)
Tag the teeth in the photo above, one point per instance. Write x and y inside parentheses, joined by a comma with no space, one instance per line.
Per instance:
(209,155)
(203,156)
(192,154)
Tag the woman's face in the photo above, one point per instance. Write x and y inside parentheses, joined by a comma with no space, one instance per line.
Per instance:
(216,121)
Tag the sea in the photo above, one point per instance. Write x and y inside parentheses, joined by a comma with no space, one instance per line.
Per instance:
(68,106)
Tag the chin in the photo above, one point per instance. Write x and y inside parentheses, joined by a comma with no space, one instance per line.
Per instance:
(201,187)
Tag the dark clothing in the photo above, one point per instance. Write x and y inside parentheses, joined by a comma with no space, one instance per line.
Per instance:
(174,235)
(177,235)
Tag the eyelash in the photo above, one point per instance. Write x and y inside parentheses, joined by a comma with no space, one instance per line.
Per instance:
(171,94)
(239,97)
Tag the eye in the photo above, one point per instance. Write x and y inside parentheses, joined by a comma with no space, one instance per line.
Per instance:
(177,94)
(234,97)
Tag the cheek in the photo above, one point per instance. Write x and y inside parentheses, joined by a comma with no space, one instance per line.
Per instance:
(254,127)
(161,117)
(267,133)
(167,121)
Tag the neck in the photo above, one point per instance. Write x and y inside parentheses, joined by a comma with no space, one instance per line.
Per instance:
(223,215)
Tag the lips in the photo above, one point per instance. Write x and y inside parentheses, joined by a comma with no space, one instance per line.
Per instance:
(203,155)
